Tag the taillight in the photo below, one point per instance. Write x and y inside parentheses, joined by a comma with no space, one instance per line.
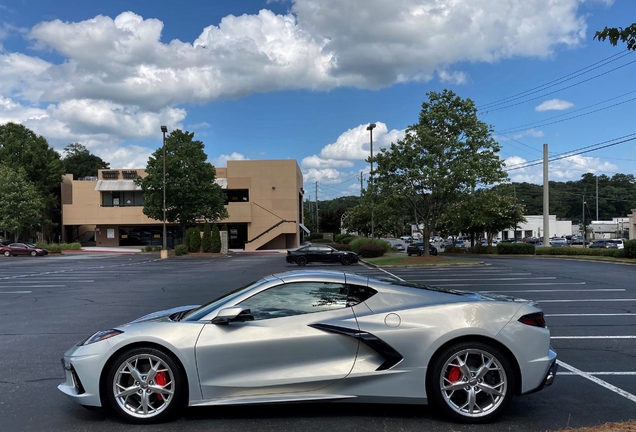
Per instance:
(534,319)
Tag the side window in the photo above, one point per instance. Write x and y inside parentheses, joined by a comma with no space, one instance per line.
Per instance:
(297,299)
(358,294)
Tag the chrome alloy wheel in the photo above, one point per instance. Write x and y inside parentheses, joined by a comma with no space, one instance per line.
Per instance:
(143,386)
(473,383)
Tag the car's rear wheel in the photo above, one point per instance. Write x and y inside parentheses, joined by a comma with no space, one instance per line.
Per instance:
(472,382)
(34,253)
(419,253)
(7,253)
(301,261)
(145,385)
(345,260)
(434,252)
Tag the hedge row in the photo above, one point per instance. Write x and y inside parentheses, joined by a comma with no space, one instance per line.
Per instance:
(515,249)
(58,247)
(358,242)
(569,251)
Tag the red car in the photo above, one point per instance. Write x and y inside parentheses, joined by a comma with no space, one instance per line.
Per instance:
(22,249)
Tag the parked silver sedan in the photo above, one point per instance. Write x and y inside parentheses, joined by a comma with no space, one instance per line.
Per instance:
(319,336)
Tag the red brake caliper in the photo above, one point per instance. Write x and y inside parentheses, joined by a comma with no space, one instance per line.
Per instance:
(160,379)
(455,374)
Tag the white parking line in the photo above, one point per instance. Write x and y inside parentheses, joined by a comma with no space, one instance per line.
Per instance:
(558,290)
(582,315)
(494,279)
(592,337)
(587,300)
(519,284)
(15,292)
(38,286)
(599,373)
(598,381)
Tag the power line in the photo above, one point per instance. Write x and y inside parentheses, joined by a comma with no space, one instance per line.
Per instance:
(547,122)
(558,81)
(515,167)
(582,148)
(558,90)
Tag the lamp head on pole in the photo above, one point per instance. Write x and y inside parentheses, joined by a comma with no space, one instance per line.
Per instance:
(371,126)
(164,129)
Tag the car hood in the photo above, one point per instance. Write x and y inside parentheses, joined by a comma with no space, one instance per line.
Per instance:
(163,315)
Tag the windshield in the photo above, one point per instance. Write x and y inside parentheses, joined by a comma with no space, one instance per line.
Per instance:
(201,311)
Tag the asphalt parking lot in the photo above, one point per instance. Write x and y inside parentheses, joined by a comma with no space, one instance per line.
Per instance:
(47,304)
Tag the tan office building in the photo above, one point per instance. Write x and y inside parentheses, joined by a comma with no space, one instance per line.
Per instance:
(264,204)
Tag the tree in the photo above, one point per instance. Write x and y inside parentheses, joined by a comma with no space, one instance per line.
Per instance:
(191,191)
(216,239)
(22,148)
(82,163)
(206,240)
(193,238)
(21,205)
(614,34)
(447,154)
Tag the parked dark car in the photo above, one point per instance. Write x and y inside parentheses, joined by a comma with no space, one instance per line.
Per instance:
(606,243)
(417,248)
(22,249)
(320,253)
(559,242)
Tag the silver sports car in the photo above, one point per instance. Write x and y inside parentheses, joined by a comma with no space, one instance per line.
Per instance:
(319,336)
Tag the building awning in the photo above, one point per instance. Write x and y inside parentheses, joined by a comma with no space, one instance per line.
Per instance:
(305,228)
(116,185)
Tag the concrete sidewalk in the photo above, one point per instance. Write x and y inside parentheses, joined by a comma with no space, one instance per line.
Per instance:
(117,250)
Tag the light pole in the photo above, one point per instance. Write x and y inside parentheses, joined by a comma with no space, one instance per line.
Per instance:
(164,247)
(370,129)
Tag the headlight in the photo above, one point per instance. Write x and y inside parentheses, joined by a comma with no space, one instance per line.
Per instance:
(102,335)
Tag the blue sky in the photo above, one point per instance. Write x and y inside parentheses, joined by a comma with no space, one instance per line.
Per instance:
(302,79)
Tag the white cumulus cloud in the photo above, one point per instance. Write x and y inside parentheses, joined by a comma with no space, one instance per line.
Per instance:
(554,105)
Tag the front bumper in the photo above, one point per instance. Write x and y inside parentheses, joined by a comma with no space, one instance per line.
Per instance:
(82,369)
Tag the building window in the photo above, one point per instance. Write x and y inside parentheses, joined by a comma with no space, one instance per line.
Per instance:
(237,195)
(119,199)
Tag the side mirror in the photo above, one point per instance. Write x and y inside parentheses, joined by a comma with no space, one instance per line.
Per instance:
(233,314)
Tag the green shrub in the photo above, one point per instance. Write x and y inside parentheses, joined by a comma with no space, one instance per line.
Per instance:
(206,240)
(570,251)
(340,246)
(315,236)
(321,240)
(349,239)
(216,240)
(371,250)
(194,239)
(630,249)
(338,238)
(357,242)
(486,250)
(515,249)
(453,249)
(180,250)
(58,247)
(152,248)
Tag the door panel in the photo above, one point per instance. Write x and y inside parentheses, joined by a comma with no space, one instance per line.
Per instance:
(276,355)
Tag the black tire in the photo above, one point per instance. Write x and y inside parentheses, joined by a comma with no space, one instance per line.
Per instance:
(165,405)
(345,260)
(419,253)
(458,386)
(34,253)
(408,253)
(7,253)
(434,252)
(301,261)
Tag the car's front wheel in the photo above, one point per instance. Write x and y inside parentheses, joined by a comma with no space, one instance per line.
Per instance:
(145,385)
(34,253)
(7,253)
(301,261)
(345,260)
(472,382)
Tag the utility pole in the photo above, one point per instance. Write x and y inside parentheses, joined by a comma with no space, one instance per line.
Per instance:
(361,178)
(583,220)
(597,198)
(317,224)
(546,198)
